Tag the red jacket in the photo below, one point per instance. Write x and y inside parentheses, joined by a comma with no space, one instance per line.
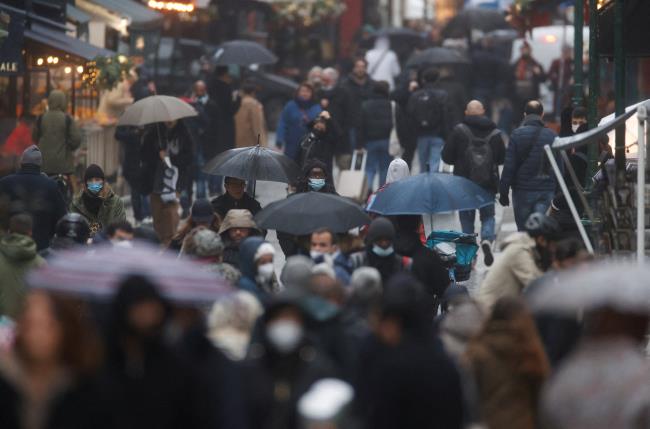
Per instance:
(19,140)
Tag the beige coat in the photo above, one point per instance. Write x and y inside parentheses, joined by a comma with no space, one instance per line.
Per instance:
(249,122)
(512,271)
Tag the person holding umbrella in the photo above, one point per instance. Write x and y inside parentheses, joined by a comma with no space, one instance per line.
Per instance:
(295,117)
(235,197)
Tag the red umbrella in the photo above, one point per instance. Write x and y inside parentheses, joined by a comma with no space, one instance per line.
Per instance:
(97,273)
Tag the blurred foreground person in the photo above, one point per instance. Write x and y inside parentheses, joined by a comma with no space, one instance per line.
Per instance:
(17,256)
(405,380)
(140,361)
(604,383)
(46,380)
(509,367)
(258,272)
(231,322)
(282,366)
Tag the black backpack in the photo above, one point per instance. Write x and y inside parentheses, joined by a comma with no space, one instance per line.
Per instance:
(480,157)
(428,108)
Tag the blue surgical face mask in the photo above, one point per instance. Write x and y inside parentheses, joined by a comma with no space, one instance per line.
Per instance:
(95,187)
(316,184)
(381,252)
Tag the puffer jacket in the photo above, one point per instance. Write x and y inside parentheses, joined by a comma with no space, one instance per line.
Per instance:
(514,270)
(111,210)
(57,147)
(376,119)
(526,167)
(17,256)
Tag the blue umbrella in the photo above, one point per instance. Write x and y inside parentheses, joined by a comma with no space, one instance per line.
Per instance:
(429,193)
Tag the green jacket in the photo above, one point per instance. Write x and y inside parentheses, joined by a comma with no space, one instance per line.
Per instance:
(57,150)
(17,256)
(111,210)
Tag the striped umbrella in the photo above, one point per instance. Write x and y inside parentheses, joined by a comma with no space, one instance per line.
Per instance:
(96,274)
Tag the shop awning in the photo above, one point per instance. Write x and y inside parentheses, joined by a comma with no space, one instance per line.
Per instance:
(76,15)
(140,16)
(62,42)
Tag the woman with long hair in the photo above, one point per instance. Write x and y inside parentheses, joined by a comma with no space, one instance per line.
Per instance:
(46,379)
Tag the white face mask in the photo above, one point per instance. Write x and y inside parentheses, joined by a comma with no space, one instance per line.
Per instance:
(315,254)
(284,335)
(575,127)
(265,272)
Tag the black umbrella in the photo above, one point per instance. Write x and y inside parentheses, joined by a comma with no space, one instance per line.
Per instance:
(243,53)
(397,33)
(437,56)
(470,19)
(254,163)
(304,213)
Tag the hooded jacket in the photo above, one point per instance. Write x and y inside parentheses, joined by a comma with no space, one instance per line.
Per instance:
(17,256)
(57,147)
(455,150)
(513,271)
(111,209)
(235,218)
(524,166)
(29,191)
(248,282)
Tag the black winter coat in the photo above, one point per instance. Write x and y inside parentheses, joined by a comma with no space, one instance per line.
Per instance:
(376,119)
(338,105)
(130,138)
(457,98)
(275,383)
(320,147)
(30,191)
(358,94)
(222,113)
(224,203)
(526,166)
(455,150)
(426,265)
(412,385)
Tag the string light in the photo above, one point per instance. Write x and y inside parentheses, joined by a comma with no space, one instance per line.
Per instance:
(80,69)
(67,69)
(171,6)
(39,62)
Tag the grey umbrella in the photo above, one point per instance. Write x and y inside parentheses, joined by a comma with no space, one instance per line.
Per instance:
(623,286)
(156,108)
(437,56)
(474,19)
(254,163)
(243,53)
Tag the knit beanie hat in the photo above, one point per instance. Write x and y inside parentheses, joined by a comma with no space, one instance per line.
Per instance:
(380,228)
(208,243)
(264,249)
(93,171)
(32,155)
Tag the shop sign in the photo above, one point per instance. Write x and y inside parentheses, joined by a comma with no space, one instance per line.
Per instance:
(12,28)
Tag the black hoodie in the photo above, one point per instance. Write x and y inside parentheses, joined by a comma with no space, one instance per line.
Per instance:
(455,150)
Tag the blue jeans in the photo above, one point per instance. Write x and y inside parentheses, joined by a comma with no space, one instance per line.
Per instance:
(429,149)
(525,203)
(486,214)
(205,182)
(378,161)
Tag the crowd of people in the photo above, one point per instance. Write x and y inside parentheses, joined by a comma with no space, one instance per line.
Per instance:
(373,311)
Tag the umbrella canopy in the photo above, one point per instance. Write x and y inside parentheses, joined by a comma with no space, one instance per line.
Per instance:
(429,193)
(243,53)
(397,33)
(97,274)
(254,163)
(437,56)
(622,286)
(156,108)
(304,213)
(470,19)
